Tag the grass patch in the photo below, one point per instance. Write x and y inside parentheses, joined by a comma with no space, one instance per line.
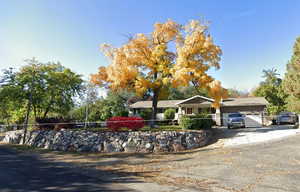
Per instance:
(146,128)
(162,128)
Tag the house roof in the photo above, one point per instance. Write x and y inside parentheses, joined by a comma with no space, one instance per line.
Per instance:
(247,101)
(160,104)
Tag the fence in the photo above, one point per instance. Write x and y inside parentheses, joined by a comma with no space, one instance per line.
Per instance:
(266,120)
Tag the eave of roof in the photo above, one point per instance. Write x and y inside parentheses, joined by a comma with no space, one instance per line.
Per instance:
(196,96)
(249,101)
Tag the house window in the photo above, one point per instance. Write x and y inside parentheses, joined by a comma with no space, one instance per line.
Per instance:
(199,110)
(176,110)
(212,110)
(189,110)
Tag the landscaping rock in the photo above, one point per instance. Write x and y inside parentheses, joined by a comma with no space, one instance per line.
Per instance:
(177,147)
(131,141)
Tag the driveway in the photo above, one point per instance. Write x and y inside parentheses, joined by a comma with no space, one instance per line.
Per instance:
(235,137)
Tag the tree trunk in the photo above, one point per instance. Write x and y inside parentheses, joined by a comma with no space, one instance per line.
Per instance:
(86,116)
(154,108)
(48,109)
(26,120)
(34,111)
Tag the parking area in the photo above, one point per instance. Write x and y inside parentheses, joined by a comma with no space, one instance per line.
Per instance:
(233,137)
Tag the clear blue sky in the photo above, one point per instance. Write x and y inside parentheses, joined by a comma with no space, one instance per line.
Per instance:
(253,34)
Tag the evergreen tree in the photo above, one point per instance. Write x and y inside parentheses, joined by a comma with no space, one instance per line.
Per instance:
(291,82)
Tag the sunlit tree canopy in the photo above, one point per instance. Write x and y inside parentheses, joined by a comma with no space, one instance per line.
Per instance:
(173,55)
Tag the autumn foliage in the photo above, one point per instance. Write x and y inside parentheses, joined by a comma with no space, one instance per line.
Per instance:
(173,55)
(132,123)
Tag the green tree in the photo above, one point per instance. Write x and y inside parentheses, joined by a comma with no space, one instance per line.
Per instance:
(11,104)
(186,92)
(115,104)
(291,83)
(271,89)
(46,88)
(234,93)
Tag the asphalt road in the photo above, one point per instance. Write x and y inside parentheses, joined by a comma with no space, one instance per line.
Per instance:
(20,173)
(264,167)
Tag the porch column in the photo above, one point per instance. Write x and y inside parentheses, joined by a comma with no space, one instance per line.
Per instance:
(218,117)
(180,112)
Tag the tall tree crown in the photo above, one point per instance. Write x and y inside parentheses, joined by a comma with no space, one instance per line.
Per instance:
(291,83)
(171,56)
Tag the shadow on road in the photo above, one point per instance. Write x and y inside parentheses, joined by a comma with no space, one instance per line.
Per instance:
(19,172)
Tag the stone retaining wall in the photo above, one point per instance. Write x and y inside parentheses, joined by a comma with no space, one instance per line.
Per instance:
(85,141)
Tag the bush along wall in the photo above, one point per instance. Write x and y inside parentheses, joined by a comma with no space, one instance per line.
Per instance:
(201,121)
(129,141)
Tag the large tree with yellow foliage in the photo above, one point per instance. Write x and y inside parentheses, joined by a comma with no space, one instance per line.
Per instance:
(172,55)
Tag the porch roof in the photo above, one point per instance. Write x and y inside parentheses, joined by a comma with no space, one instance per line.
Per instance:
(197,99)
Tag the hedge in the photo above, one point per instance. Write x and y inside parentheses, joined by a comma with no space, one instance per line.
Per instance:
(169,114)
(196,122)
(132,123)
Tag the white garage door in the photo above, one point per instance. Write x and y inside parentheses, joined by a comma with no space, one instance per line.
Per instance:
(253,121)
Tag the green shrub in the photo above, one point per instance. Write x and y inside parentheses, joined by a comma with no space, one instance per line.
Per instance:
(186,122)
(53,123)
(122,113)
(196,122)
(146,114)
(169,114)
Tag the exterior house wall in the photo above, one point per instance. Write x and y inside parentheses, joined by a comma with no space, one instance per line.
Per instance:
(160,116)
(252,107)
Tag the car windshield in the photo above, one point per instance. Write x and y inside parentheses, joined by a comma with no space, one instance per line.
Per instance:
(236,115)
(286,114)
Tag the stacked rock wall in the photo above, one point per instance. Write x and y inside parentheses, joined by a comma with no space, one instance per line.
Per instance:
(85,141)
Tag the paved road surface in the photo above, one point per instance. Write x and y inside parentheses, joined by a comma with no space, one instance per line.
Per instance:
(265,167)
(20,173)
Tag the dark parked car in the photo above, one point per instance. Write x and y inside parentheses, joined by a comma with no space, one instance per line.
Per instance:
(236,120)
(287,118)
